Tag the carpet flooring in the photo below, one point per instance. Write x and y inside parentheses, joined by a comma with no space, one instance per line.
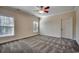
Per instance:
(40,44)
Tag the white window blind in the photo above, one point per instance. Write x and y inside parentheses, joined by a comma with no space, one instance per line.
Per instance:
(6,26)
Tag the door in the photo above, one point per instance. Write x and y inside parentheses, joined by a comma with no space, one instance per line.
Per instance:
(67,28)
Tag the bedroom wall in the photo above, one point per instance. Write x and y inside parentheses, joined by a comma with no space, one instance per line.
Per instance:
(51,25)
(23,24)
(77,24)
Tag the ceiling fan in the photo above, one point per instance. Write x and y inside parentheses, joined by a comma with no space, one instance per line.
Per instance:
(42,9)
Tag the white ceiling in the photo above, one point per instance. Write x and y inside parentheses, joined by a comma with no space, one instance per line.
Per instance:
(52,11)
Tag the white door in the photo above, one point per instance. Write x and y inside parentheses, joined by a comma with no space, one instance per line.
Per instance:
(67,28)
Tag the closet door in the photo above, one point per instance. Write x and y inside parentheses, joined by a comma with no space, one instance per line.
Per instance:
(67,28)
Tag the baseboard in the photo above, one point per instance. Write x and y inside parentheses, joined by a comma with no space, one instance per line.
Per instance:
(77,42)
(16,39)
(52,36)
(67,38)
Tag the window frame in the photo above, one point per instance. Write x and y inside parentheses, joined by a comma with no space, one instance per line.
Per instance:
(9,25)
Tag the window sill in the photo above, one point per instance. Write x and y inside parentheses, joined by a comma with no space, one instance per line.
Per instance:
(7,35)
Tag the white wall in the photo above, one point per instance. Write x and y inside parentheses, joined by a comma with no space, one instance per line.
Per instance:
(77,24)
(67,27)
(50,26)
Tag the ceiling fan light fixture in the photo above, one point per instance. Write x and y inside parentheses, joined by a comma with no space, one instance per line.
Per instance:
(41,11)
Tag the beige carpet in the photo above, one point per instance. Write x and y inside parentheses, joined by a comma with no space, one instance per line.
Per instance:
(40,44)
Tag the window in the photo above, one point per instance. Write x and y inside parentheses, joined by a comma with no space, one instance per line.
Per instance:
(35,26)
(6,26)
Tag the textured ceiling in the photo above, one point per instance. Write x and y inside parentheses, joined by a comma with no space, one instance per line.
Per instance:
(52,11)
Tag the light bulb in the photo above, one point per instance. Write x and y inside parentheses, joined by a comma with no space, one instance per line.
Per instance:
(41,11)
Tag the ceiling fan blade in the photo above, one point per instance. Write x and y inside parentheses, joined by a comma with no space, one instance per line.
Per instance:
(42,9)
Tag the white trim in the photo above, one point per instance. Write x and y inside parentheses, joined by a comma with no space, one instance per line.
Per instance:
(77,42)
(7,35)
(51,35)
